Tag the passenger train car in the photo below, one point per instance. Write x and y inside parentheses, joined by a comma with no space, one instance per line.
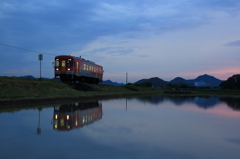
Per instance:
(71,68)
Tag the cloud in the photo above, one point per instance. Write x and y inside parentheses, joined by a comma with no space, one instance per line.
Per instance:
(229,6)
(112,50)
(233,140)
(78,27)
(71,25)
(233,43)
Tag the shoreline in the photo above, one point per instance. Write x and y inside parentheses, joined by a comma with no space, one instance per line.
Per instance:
(29,102)
(11,103)
(16,92)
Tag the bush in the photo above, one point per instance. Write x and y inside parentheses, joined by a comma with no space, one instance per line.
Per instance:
(144,84)
(131,87)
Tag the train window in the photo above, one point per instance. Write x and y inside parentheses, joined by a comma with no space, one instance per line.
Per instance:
(84,66)
(70,62)
(57,63)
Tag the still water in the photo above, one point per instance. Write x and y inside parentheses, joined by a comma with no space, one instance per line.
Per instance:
(146,127)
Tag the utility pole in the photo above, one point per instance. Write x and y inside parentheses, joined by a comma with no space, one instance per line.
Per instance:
(40,58)
(126,77)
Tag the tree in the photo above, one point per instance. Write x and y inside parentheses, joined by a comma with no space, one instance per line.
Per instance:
(144,84)
(231,83)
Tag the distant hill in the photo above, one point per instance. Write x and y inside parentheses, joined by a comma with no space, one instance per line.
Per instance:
(109,82)
(207,81)
(202,80)
(156,82)
(31,77)
(27,77)
(180,80)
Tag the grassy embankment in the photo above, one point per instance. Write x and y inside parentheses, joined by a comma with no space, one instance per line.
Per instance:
(21,91)
(12,88)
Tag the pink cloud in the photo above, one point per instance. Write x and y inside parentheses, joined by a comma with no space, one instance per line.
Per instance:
(222,74)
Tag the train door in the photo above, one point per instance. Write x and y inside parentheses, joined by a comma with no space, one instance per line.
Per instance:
(63,68)
(77,71)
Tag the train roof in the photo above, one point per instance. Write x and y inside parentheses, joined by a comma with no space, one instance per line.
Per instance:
(79,58)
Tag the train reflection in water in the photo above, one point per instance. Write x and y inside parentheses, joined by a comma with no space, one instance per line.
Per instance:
(74,115)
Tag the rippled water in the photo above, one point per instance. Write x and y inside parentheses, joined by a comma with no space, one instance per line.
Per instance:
(168,127)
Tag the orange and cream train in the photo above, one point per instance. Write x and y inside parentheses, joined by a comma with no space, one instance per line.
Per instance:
(71,68)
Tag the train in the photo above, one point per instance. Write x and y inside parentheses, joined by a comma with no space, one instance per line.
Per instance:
(70,68)
(71,116)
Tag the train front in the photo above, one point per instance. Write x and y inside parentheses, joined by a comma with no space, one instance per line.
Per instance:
(64,68)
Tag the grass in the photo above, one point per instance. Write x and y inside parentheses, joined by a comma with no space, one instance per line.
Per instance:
(17,88)
(12,87)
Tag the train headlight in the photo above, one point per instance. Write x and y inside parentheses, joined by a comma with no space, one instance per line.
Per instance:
(57,69)
(69,69)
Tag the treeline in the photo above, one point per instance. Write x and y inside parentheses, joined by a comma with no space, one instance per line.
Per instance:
(231,83)
(183,85)
(142,84)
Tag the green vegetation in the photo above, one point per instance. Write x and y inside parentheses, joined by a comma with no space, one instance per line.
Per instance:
(18,91)
(183,85)
(231,83)
(17,88)
(144,84)
(12,87)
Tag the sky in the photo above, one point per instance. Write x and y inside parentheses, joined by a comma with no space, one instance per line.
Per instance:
(144,38)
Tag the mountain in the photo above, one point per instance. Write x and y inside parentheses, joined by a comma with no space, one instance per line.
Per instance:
(31,77)
(207,81)
(27,77)
(109,82)
(156,82)
(180,80)
(202,80)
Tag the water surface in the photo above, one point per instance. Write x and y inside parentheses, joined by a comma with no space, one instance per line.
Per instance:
(169,127)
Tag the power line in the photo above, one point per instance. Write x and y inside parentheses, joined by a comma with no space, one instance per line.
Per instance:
(113,72)
(132,78)
(53,55)
(124,74)
(26,49)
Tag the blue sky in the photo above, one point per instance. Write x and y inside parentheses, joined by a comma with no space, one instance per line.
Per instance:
(146,38)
